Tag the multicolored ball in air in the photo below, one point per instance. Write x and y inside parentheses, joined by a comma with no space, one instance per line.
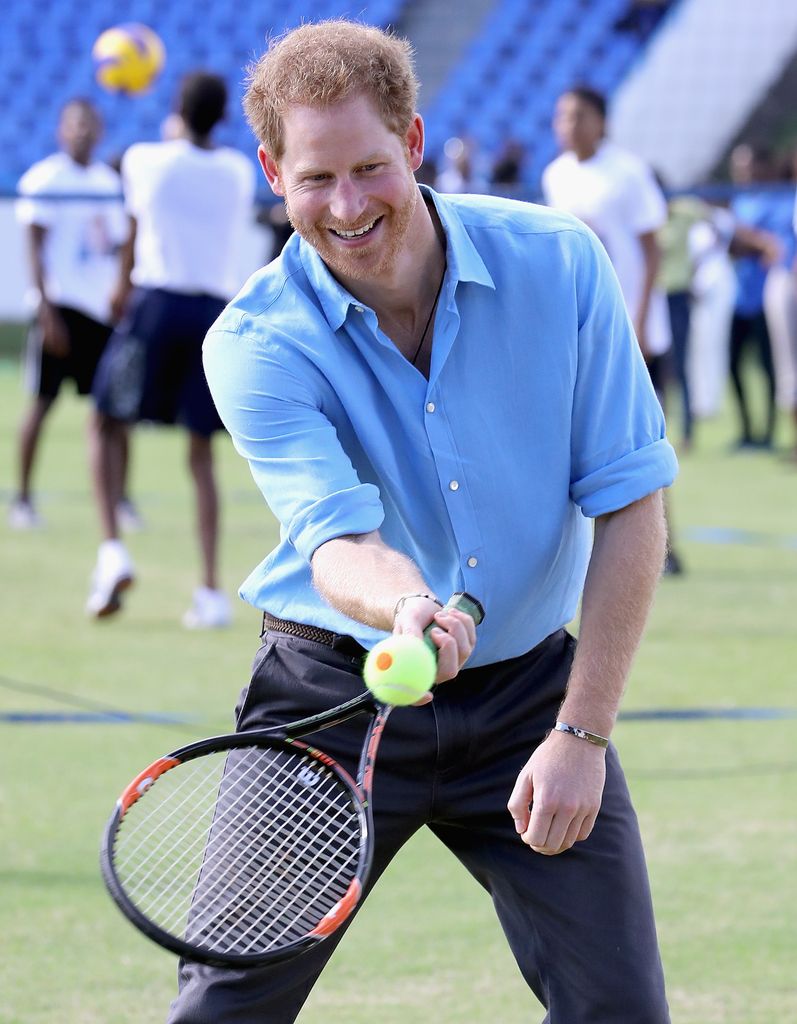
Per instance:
(128,58)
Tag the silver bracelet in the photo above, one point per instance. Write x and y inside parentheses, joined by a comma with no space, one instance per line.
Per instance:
(408,597)
(582,734)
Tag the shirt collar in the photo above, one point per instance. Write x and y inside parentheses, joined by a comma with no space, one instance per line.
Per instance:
(463,259)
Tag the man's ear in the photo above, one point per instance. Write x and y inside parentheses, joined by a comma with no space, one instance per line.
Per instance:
(271,171)
(414,140)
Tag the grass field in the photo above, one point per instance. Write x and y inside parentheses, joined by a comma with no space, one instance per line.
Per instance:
(715,796)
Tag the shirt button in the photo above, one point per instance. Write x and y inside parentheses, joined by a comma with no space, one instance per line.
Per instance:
(473,562)
(454,485)
(359,309)
(430,406)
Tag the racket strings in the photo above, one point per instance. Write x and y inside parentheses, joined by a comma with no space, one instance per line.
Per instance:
(240,852)
(292,855)
(229,823)
(146,858)
(220,856)
(289,903)
(155,850)
(165,851)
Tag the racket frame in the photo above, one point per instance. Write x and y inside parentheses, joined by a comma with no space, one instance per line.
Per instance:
(284,737)
(275,738)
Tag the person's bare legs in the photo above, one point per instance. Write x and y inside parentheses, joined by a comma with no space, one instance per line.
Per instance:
(200,463)
(29,434)
(108,456)
(113,573)
(122,464)
(211,606)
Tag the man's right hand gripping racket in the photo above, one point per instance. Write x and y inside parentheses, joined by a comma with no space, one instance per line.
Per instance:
(251,847)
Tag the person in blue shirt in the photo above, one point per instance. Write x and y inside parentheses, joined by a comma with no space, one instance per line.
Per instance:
(441,393)
(757,205)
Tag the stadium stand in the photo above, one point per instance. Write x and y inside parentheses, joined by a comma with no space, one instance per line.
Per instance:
(527,52)
(703,80)
(45,52)
(504,83)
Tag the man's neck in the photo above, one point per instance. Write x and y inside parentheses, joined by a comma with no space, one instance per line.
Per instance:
(588,152)
(81,159)
(200,141)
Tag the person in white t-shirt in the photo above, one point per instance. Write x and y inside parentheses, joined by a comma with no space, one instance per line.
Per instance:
(188,203)
(616,194)
(73,249)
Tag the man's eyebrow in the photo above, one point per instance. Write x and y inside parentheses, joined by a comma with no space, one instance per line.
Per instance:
(303,170)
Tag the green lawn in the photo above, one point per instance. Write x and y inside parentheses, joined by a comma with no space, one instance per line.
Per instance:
(715,796)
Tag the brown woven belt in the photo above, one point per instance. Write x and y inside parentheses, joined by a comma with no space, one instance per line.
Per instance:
(338,641)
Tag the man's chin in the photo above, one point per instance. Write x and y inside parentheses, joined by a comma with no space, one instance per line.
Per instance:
(359,264)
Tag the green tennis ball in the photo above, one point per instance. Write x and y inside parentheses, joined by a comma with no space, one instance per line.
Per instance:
(400,669)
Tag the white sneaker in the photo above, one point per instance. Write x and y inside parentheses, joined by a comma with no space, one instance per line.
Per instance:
(210,610)
(23,516)
(128,517)
(112,575)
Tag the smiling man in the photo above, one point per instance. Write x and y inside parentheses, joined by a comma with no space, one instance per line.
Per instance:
(438,394)
(358,231)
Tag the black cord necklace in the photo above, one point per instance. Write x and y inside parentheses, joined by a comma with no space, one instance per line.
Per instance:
(429,318)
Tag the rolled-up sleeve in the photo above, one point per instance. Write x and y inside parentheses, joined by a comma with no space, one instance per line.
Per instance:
(292,448)
(619,449)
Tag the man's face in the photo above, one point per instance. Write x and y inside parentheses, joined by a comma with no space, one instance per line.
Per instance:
(578,126)
(79,130)
(348,185)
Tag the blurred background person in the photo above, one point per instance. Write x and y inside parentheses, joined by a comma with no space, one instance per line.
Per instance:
(752,206)
(711,236)
(616,194)
(780,304)
(461,170)
(506,173)
(188,203)
(73,252)
(675,278)
(711,312)
(697,276)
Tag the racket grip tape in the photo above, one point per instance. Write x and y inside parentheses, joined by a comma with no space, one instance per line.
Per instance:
(462,602)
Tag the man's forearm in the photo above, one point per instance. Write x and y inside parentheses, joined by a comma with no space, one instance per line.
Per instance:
(364,578)
(624,569)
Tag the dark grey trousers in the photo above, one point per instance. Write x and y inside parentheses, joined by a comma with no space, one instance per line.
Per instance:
(580,924)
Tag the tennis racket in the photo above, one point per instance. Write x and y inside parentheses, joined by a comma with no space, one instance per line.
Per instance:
(248,848)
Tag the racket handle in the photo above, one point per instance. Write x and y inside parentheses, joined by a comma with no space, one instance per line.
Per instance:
(462,602)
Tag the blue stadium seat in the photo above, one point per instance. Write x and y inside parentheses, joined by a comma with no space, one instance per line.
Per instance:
(45,51)
(506,83)
(530,51)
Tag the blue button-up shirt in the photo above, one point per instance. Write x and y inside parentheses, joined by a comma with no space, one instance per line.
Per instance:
(538,414)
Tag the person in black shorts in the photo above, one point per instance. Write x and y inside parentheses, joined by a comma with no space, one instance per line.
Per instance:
(188,202)
(73,250)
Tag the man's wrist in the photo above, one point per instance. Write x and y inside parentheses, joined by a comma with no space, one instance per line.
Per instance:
(582,734)
(412,597)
